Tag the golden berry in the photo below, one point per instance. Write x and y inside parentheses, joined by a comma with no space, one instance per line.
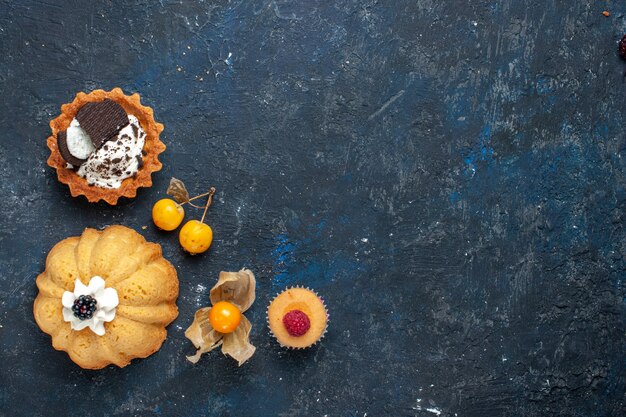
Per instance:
(224,317)
(167,214)
(195,237)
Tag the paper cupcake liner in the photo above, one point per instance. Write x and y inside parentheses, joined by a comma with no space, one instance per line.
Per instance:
(319,339)
(153,147)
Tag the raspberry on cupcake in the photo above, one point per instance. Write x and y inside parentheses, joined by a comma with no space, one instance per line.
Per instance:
(296,323)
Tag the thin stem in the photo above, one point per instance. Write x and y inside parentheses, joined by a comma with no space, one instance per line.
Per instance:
(208,203)
(193,198)
(198,196)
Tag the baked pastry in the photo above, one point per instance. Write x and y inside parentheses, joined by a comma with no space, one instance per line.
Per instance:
(105,145)
(106,297)
(297,318)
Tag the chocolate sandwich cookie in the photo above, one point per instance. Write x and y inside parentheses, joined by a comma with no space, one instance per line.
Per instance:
(65,152)
(102,120)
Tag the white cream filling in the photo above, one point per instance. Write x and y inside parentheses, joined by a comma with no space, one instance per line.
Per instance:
(117,159)
(106,302)
(78,141)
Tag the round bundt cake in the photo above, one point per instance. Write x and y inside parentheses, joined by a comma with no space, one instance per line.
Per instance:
(106,297)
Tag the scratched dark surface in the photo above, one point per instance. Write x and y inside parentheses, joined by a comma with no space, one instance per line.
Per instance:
(449,176)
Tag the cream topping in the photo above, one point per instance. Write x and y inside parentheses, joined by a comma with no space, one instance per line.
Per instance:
(117,159)
(106,299)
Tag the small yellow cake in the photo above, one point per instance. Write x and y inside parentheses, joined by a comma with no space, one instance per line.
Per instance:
(106,297)
(297,318)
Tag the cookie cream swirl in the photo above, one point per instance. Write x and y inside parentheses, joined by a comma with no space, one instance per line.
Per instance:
(106,303)
(117,159)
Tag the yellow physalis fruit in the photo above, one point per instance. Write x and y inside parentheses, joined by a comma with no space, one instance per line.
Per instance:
(195,237)
(167,214)
(224,317)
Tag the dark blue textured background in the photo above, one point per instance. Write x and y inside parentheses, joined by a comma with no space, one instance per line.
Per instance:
(449,175)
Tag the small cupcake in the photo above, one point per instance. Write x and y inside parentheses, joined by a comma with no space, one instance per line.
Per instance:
(105,145)
(297,318)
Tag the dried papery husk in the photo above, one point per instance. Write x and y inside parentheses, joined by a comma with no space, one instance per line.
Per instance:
(235,287)
(237,344)
(239,289)
(204,337)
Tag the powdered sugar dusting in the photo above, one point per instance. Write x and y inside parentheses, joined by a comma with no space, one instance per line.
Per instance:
(433,410)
